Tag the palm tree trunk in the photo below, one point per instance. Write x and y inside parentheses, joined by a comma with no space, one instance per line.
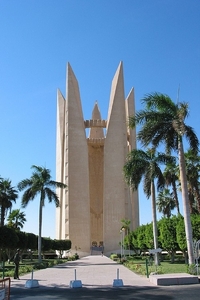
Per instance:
(186,207)
(40,233)
(2,215)
(176,197)
(155,230)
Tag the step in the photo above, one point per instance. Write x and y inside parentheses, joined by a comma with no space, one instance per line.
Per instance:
(173,279)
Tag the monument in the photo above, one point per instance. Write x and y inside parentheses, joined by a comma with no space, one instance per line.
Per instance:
(97,197)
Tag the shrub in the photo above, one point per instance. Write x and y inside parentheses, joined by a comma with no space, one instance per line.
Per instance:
(76,256)
(114,257)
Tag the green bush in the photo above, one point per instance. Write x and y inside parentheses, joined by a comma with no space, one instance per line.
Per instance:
(114,256)
(39,266)
(70,258)
(76,256)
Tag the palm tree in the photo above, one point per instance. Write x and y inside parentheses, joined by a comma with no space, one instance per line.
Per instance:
(16,219)
(40,184)
(145,165)
(7,195)
(192,172)
(165,202)
(171,177)
(164,121)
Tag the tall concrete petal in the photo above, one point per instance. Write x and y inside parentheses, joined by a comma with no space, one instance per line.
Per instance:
(76,169)
(115,151)
(133,209)
(60,141)
(130,111)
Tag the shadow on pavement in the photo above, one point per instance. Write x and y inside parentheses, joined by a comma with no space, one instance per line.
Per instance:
(83,264)
(136,293)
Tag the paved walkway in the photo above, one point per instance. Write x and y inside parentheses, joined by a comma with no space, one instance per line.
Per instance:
(93,271)
(96,274)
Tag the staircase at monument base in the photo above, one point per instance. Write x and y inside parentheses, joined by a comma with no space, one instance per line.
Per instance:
(97,250)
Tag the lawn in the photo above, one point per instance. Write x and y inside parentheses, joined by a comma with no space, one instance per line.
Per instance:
(139,265)
(27,266)
(142,266)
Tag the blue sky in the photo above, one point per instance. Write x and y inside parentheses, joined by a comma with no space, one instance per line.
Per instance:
(158,42)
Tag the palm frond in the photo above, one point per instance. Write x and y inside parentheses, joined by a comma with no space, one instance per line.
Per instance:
(52,196)
(192,139)
(28,195)
(57,184)
(25,183)
(158,101)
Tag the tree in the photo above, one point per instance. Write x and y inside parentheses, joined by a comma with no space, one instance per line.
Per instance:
(181,236)
(31,243)
(23,240)
(165,202)
(7,195)
(163,121)
(141,164)
(149,236)
(141,238)
(134,240)
(46,245)
(16,219)
(167,236)
(40,184)
(61,246)
(195,218)
(8,238)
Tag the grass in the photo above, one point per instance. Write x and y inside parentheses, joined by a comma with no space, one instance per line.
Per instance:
(135,264)
(168,267)
(139,265)
(27,266)
(163,268)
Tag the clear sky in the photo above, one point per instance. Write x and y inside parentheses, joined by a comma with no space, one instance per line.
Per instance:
(158,42)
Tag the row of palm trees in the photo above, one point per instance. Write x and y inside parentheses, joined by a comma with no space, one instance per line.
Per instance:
(8,195)
(162,123)
(167,200)
(39,184)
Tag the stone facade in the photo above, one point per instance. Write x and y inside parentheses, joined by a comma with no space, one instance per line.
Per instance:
(97,198)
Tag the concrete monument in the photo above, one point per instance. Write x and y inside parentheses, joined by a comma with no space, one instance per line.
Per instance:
(97,197)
